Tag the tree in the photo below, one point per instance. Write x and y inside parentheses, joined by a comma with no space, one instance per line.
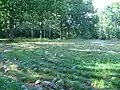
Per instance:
(109,22)
(13,11)
(48,18)
(83,18)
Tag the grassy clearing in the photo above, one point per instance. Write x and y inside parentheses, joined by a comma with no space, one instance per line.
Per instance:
(82,64)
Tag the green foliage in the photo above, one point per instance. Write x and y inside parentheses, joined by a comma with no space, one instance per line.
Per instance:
(109,21)
(48,19)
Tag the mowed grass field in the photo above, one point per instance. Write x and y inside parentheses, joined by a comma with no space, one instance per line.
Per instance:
(78,64)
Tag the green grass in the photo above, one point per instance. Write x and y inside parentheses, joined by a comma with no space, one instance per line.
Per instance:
(97,66)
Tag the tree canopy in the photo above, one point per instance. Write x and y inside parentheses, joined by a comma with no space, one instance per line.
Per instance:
(48,18)
(58,19)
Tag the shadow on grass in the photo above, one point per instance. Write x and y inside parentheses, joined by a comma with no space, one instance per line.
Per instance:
(22,39)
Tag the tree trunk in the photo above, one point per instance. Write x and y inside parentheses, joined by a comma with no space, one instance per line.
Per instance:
(44,34)
(40,29)
(65,31)
(61,31)
(11,29)
(11,35)
(49,34)
(32,33)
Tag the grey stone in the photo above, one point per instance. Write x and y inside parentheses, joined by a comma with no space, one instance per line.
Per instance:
(24,87)
(75,77)
(60,82)
(48,84)
(61,55)
(74,67)
(39,88)
(54,80)
(6,70)
(46,70)
(37,82)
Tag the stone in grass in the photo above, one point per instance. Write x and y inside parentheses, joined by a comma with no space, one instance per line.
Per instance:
(55,55)
(61,56)
(41,63)
(54,80)
(60,82)
(49,85)
(38,88)
(74,67)
(71,88)
(33,65)
(76,77)
(44,59)
(36,69)
(85,86)
(46,70)
(24,87)
(5,50)
(113,78)
(37,82)
(47,53)
(6,70)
